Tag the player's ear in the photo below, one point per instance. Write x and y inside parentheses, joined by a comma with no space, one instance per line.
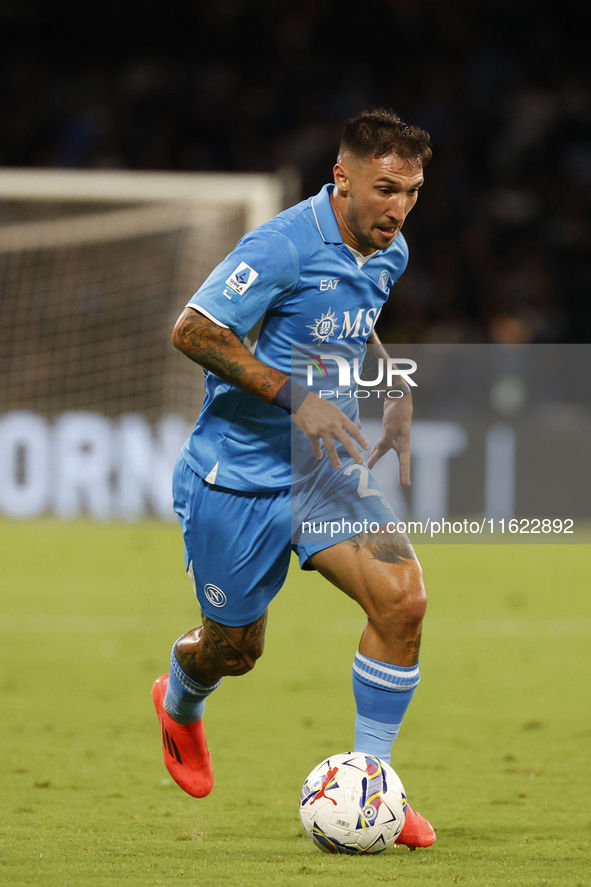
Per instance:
(341,177)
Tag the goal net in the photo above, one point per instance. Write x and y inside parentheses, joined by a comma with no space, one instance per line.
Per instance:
(95,266)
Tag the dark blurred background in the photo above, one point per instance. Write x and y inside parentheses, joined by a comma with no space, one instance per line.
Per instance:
(501,241)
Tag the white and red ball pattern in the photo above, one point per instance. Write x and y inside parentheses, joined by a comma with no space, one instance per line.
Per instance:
(353,803)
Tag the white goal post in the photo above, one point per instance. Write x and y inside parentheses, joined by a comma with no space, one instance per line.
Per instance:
(261,195)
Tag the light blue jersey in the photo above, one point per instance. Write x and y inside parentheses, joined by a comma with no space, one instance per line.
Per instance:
(296,273)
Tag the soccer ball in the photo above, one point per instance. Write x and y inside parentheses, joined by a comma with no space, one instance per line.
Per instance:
(353,803)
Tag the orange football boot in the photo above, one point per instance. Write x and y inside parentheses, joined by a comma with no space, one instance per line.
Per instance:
(416,831)
(186,755)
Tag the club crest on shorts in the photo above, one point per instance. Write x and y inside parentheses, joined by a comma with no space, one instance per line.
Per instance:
(215,595)
(242,277)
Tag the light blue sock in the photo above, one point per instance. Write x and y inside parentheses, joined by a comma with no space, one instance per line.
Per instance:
(382,693)
(185,699)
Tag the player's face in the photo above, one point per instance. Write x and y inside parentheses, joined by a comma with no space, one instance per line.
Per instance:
(373,198)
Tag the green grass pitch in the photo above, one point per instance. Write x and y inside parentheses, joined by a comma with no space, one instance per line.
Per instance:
(494,750)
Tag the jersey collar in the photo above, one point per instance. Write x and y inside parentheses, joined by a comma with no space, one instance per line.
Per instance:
(325,217)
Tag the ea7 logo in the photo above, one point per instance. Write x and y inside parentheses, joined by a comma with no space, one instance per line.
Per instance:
(329,284)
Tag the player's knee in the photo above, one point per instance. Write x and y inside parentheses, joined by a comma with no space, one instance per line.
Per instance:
(405,602)
(415,606)
(246,658)
(238,648)
(414,597)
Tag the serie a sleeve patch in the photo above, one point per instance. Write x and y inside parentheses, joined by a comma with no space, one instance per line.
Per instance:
(240,279)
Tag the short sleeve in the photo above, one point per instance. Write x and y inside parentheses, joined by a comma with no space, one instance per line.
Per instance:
(258,273)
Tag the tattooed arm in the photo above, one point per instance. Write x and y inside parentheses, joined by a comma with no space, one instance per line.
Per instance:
(220,350)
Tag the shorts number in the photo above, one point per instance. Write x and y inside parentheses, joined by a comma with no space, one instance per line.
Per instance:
(362,487)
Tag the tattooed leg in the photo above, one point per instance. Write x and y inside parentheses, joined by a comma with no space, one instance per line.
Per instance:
(381,572)
(213,651)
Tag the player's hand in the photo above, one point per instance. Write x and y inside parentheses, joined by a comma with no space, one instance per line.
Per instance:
(321,420)
(395,436)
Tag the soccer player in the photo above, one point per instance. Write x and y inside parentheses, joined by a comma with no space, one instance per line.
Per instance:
(318,274)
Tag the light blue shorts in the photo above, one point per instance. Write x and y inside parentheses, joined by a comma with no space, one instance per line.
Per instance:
(238,544)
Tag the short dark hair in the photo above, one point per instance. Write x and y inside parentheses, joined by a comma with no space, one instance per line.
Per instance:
(379,132)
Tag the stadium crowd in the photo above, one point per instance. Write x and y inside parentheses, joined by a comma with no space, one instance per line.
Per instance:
(501,244)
